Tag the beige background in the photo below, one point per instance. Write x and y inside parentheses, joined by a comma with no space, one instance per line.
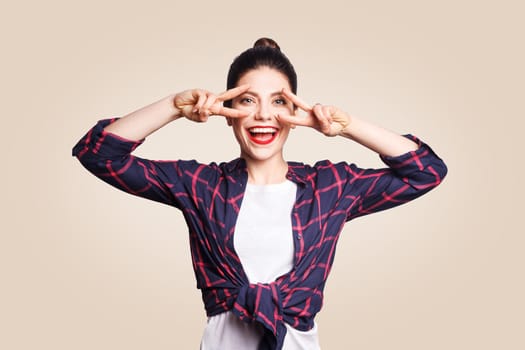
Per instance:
(84,266)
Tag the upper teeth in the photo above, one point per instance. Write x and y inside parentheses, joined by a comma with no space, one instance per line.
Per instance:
(262,130)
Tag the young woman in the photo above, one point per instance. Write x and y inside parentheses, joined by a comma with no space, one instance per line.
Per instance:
(263,231)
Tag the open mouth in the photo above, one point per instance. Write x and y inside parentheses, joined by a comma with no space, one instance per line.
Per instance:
(262,135)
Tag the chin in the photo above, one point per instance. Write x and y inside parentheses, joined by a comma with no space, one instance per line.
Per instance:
(260,155)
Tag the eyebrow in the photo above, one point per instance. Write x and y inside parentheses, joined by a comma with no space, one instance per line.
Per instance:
(280,92)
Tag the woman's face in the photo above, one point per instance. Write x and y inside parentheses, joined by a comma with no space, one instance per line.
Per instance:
(261,136)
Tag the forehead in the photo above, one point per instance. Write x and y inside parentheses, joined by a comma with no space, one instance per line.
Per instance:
(265,78)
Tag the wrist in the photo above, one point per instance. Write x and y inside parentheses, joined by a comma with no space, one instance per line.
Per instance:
(347,126)
(175,111)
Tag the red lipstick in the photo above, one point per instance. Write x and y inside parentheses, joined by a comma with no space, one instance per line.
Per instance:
(262,135)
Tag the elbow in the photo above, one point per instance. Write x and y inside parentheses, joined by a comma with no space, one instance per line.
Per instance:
(434,175)
(440,170)
(443,170)
(91,161)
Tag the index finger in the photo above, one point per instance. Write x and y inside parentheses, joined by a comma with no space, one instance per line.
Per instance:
(232,93)
(232,112)
(296,100)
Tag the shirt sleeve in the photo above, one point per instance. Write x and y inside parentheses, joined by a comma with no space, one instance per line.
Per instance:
(407,177)
(108,157)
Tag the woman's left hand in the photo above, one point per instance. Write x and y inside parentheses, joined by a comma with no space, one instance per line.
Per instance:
(328,120)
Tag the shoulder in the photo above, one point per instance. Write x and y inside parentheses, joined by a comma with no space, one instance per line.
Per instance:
(317,167)
(193,166)
(213,171)
(323,170)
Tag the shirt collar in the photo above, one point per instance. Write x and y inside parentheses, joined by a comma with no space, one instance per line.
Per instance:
(296,171)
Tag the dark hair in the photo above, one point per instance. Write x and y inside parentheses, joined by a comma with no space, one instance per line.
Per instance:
(264,53)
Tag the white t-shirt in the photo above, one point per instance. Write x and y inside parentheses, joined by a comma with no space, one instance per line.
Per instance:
(263,241)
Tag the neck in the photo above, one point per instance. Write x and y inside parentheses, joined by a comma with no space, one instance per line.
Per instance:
(266,172)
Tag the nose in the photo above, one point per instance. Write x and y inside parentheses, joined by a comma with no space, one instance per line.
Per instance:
(263,113)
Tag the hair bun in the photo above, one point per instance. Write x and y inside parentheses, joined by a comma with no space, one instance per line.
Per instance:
(266,42)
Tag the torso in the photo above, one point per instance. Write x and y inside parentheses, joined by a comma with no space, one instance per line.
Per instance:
(264,243)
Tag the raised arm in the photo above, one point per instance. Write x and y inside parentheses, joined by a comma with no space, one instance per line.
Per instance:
(196,105)
(332,121)
(413,167)
(105,150)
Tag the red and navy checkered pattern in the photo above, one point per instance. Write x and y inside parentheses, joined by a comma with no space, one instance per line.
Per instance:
(210,196)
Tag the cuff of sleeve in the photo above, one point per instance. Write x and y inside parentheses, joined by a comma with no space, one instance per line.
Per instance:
(412,161)
(107,144)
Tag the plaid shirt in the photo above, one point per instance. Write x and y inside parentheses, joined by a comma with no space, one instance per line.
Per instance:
(210,197)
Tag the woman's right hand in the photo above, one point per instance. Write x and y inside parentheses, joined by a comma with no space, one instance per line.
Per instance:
(197,104)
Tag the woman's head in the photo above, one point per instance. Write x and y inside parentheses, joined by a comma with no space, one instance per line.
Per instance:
(264,53)
(267,71)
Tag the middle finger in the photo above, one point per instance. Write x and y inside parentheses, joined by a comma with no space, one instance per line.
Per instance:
(232,93)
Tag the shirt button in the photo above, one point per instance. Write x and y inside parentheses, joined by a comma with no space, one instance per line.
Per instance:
(299,236)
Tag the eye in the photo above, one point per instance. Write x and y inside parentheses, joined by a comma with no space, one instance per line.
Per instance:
(280,101)
(246,100)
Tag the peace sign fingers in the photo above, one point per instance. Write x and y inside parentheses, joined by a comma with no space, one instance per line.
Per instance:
(329,120)
(199,104)
(227,95)
(293,120)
